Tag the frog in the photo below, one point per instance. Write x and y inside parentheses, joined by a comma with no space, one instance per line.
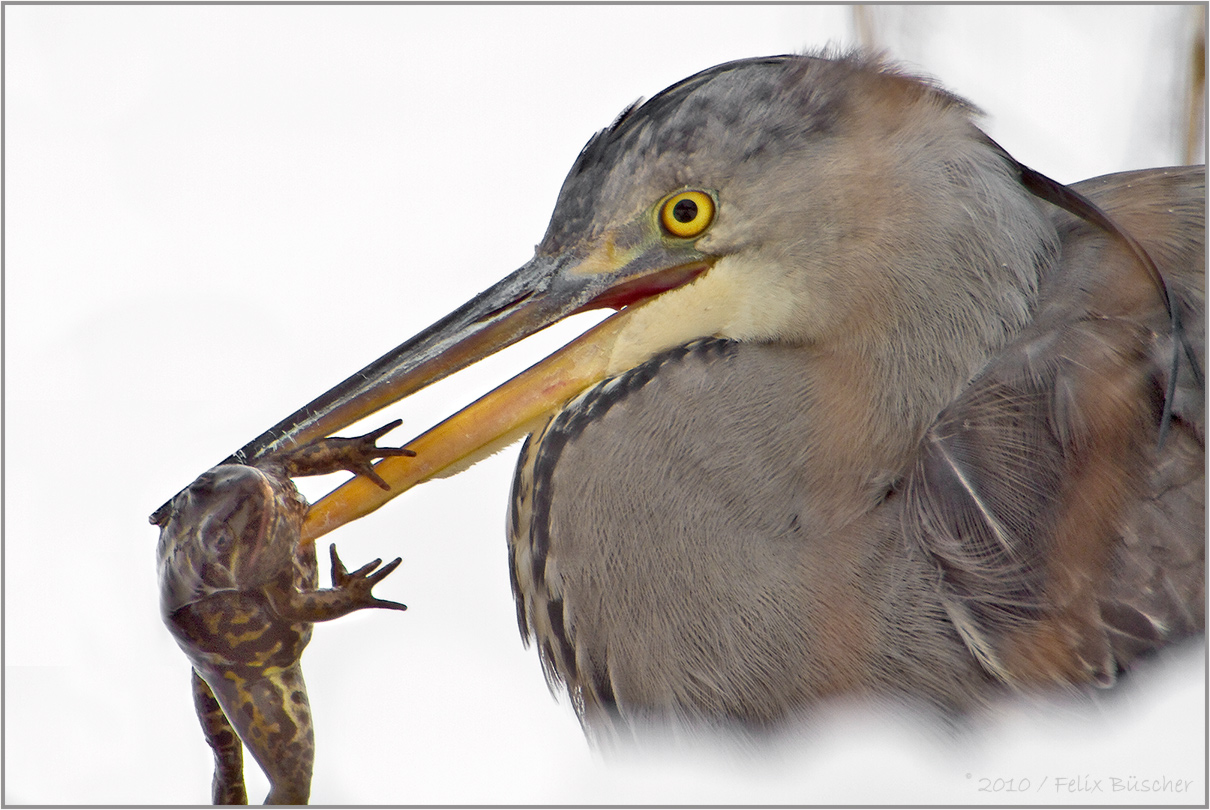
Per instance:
(239,593)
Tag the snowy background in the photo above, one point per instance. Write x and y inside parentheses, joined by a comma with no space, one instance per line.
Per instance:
(214,213)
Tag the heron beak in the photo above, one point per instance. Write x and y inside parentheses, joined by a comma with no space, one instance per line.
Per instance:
(542,292)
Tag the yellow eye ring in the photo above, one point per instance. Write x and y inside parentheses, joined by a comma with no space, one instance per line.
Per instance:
(687,213)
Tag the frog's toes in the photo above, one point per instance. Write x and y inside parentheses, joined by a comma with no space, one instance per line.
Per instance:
(367,445)
(322,456)
(359,453)
(359,583)
(367,469)
(374,435)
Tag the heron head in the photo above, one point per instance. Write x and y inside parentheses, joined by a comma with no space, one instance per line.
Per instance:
(830,202)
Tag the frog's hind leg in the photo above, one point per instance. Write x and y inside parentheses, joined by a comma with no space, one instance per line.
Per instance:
(228,785)
(273,716)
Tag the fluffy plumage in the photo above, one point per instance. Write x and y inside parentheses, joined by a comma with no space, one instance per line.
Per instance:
(912,452)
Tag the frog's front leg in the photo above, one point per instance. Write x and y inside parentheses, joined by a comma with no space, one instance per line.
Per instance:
(354,454)
(228,785)
(349,592)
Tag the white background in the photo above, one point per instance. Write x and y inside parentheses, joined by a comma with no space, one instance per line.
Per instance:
(214,213)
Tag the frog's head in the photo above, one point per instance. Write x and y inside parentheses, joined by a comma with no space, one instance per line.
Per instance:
(234,527)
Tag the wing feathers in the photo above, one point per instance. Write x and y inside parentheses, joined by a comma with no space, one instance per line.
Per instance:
(1067,541)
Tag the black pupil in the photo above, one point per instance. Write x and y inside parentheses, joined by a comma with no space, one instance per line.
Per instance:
(685,211)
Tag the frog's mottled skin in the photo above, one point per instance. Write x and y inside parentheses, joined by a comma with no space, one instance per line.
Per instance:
(240,595)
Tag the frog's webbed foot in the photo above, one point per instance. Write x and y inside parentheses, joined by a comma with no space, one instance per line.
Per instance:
(358,584)
(336,453)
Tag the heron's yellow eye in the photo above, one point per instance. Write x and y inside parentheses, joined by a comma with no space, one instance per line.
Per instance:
(687,213)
